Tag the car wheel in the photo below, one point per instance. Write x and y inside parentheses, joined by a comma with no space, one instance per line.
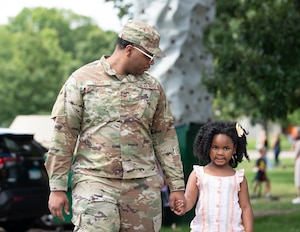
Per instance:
(45,222)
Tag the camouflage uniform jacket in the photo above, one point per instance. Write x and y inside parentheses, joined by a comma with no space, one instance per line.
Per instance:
(119,123)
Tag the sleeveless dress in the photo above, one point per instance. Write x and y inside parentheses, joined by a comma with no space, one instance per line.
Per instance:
(218,208)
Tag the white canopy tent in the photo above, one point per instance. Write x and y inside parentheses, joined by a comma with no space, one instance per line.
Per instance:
(39,125)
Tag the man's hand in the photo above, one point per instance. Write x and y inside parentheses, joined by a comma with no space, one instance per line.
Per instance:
(58,201)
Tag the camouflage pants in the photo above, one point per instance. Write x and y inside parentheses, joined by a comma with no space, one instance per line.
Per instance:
(118,205)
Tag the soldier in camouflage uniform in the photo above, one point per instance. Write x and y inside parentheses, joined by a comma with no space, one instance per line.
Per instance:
(116,117)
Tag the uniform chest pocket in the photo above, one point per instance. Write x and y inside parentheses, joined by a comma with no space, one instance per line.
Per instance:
(101,102)
(148,100)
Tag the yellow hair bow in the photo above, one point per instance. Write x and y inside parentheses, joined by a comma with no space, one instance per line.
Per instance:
(239,130)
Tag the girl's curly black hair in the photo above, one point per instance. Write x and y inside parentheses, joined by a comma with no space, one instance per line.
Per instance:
(204,137)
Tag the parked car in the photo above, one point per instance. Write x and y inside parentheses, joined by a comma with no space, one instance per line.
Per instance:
(24,186)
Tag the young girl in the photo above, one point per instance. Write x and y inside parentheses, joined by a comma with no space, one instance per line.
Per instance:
(222,192)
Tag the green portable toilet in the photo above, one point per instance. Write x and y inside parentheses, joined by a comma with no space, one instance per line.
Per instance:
(186,134)
(67,217)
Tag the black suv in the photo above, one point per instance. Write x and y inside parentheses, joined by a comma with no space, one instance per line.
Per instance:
(24,187)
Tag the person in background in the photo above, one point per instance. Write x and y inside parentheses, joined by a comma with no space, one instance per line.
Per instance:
(263,142)
(296,147)
(276,148)
(117,118)
(222,192)
(261,174)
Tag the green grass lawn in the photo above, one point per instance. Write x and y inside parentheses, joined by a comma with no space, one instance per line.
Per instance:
(280,215)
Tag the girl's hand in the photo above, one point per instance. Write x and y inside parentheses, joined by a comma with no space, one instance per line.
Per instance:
(177,196)
(179,208)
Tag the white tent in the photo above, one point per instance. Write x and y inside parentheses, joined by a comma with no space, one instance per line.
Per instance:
(39,125)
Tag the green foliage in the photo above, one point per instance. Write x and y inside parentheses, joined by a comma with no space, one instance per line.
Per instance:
(39,49)
(294,118)
(29,82)
(123,6)
(257,63)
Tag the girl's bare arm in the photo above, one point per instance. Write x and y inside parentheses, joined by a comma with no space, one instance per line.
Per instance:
(191,193)
(247,212)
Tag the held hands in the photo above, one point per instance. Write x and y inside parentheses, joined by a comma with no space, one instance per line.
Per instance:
(179,207)
(58,201)
(177,203)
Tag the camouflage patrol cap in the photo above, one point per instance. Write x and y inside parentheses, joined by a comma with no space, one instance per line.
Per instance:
(142,34)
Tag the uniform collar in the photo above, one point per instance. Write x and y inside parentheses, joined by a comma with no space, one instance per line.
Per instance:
(110,71)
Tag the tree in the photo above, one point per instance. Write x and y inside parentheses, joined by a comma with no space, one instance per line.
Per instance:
(39,49)
(123,6)
(257,58)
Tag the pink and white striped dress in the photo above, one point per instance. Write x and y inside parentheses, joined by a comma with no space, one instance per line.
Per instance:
(218,208)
